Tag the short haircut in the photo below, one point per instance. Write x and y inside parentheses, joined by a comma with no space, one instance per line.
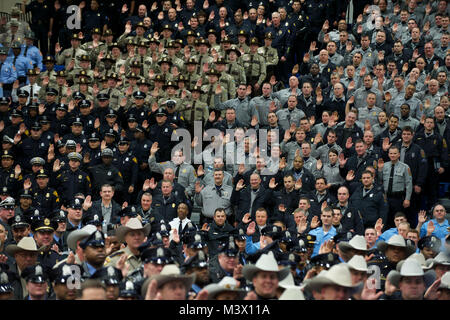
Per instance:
(219,210)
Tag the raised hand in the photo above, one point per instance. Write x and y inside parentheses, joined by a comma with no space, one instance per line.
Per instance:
(246,218)
(350,175)
(315,222)
(342,160)
(379,226)
(240,185)
(386,145)
(154,148)
(430,228)
(272,184)
(319,164)
(422,216)
(87,203)
(198,187)
(56,165)
(298,184)
(251,228)
(380,164)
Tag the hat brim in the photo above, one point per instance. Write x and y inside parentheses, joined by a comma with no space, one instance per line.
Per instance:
(12,249)
(249,271)
(187,280)
(346,246)
(215,289)
(123,230)
(78,235)
(394,277)
(382,247)
(317,283)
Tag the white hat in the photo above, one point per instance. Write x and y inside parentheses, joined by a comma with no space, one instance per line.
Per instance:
(132,224)
(227,284)
(410,268)
(292,294)
(396,241)
(442,258)
(170,272)
(266,262)
(78,235)
(339,274)
(25,244)
(445,281)
(416,256)
(357,242)
(358,263)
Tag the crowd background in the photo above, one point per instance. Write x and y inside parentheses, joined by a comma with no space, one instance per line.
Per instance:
(352,183)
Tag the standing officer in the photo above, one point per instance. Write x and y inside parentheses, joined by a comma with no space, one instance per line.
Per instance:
(255,67)
(435,148)
(281,42)
(370,200)
(125,160)
(45,198)
(72,181)
(33,146)
(105,173)
(415,158)
(161,132)
(30,51)
(43,231)
(8,73)
(194,109)
(41,21)
(397,182)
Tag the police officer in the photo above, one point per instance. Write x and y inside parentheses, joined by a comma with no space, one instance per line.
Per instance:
(43,230)
(161,133)
(33,146)
(72,181)
(9,177)
(41,21)
(194,109)
(105,173)
(255,67)
(8,73)
(46,199)
(69,55)
(127,163)
(370,200)
(435,148)
(397,182)
(32,52)
(76,133)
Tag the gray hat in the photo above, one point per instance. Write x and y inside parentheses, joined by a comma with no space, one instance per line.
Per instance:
(14,22)
(411,268)
(445,281)
(74,156)
(227,284)
(266,262)
(107,152)
(37,161)
(396,241)
(8,139)
(70,143)
(8,202)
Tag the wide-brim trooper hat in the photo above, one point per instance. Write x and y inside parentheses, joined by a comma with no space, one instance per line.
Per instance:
(396,241)
(25,244)
(411,268)
(441,259)
(357,243)
(169,273)
(132,225)
(445,281)
(358,263)
(266,262)
(80,234)
(227,284)
(416,256)
(338,274)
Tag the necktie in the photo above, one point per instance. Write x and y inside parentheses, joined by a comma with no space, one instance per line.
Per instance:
(13,38)
(402,154)
(1,66)
(74,51)
(199,67)
(59,94)
(14,61)
(180,228)
(218,191)
(251,66)
(177,171)
(142,65)
(26,50)
(193,112)
(391,179)
(210,94)
(31,93)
